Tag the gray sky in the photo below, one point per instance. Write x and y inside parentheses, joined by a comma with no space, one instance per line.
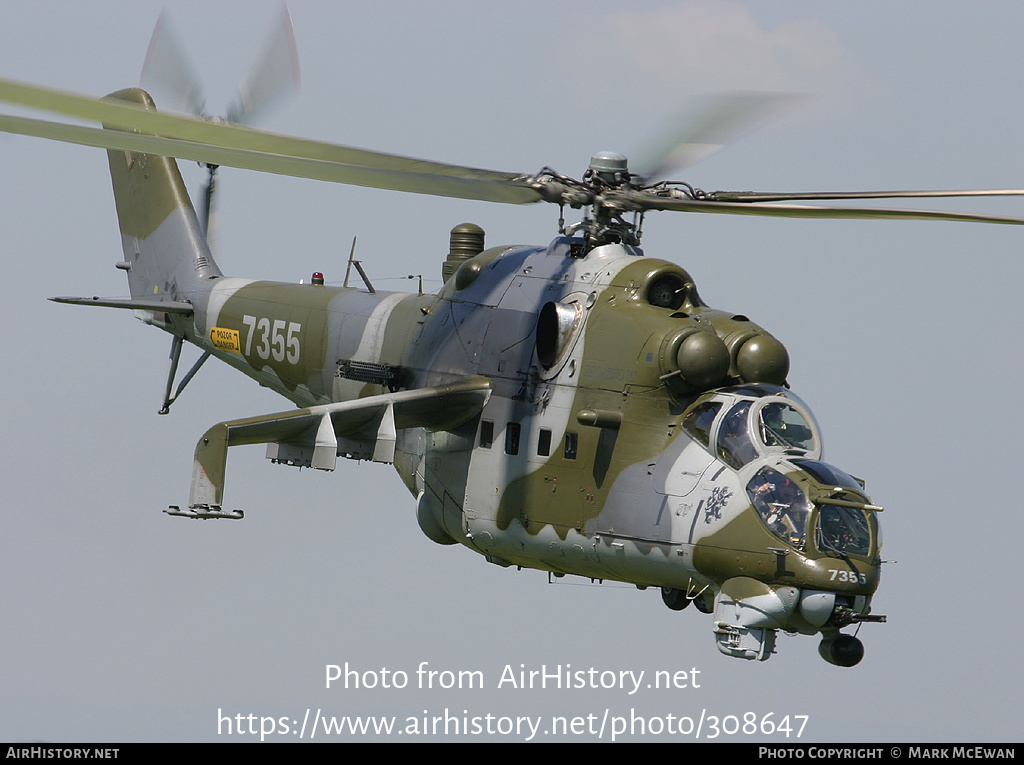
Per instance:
(123,624)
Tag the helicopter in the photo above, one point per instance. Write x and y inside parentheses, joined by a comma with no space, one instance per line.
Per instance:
(574,408)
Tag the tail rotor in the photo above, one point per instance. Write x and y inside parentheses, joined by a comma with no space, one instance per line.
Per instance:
(274,76)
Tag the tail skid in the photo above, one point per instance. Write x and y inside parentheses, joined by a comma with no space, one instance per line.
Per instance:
(166,255)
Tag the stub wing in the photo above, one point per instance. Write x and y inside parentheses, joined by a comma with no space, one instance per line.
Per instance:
(364,428)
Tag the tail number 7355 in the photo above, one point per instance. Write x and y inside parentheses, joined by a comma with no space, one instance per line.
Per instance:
(838,575)
(277,338)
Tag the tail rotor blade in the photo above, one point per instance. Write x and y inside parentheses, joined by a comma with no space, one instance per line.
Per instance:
(167,71)
(275,75)
(209,217)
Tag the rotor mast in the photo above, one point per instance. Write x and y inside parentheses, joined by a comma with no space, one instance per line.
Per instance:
(605,224)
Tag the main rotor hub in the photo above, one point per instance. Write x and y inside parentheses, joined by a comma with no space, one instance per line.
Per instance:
(610,166)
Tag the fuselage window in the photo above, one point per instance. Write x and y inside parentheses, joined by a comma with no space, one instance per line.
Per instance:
(486,434)
(512,438)
(571,444)
(843,530)
(544,443)
(734,445)
(782,504)
(782,425)
(698,421)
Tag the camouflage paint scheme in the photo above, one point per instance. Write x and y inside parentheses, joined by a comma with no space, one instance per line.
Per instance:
(556,408)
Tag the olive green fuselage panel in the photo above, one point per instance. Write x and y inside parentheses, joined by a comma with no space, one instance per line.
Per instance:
(294,338)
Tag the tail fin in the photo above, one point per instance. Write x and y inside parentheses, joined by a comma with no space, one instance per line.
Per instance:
(165,252)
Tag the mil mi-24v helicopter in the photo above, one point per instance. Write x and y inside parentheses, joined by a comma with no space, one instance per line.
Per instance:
(574,408)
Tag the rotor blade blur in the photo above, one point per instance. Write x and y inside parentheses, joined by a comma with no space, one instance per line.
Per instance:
(168,72)
(208,214)
(716,121)
(118,114)
(502,189)
(652,202)
(275,75)
(211,218)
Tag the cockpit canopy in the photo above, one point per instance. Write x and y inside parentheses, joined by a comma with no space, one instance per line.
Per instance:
(788,513)
(749,421)
(793,491)
(843,530)
(782,505)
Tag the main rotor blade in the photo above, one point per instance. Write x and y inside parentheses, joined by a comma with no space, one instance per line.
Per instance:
(715,122)
(236,146)
(762,196)
(653,202)
(119,114)
(483,189)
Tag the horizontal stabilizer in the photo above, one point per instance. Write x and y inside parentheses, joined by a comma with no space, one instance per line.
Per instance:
(166,306)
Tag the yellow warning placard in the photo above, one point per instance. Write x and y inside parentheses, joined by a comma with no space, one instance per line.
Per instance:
(224,339)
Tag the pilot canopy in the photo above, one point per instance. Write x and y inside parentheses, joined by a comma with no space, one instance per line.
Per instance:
(770,438)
